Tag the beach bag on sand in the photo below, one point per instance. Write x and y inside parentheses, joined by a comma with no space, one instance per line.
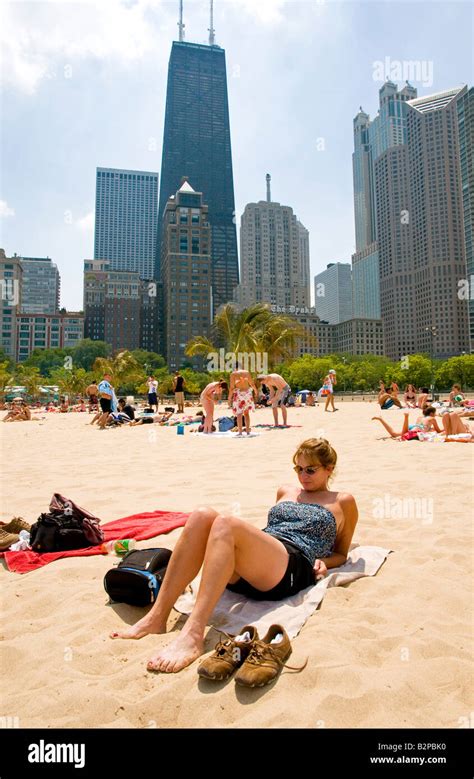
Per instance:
(137,578)
(66,526)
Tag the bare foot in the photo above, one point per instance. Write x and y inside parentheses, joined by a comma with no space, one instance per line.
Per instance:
(376,417)
(140,629)
(183,651)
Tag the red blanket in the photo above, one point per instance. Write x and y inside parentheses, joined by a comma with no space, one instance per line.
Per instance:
(138,526)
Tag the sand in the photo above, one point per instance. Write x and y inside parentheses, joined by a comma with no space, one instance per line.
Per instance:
(389,651)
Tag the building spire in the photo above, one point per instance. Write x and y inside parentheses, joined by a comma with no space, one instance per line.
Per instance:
(269,195)
(180,23)
(212,37)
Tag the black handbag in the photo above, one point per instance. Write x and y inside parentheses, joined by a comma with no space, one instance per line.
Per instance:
(138,577)
(58,533)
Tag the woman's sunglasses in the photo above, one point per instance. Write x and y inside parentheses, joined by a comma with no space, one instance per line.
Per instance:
(310,470)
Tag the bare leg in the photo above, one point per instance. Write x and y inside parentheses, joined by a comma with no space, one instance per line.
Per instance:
(284,414)
(453,425)
(390,430)
(208,407)
(184,565)
(247,422)
(239,423)
(275,415)
(233,547)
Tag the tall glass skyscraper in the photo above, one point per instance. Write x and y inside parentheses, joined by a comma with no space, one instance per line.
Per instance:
(126,217)
(466,153)
(371,139)
(196,144)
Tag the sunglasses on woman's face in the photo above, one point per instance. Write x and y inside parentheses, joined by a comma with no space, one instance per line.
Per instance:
(310,470)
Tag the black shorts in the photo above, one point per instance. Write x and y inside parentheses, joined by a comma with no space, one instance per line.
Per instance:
(299,574)
(147,420)
(152,399)
(106,404)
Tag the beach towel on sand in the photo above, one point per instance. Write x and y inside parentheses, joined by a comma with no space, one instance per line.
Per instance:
(234,610)
(138,526)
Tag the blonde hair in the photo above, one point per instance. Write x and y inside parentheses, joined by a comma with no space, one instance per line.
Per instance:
(317,450)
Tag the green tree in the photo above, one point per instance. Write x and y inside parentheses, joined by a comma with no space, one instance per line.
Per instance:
(252,330)
(4,357)
(71,382)
(46,360)
(456,370)
(30,378)
(6,376)
(150,361)
(87,351)
(127,373)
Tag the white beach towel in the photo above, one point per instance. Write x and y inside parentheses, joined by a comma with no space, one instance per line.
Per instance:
(227,434)
(233,610)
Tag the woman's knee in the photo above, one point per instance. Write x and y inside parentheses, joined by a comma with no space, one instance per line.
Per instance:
(203,515)
(223,524)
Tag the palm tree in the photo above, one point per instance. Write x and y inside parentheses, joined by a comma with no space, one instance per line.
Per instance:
(123,367)
(30,378)
(5,378)
(251,330)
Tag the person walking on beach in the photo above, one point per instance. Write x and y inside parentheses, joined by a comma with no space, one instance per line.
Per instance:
(309,531)
(241,397)
(107,400)
(280,391)
(208,395)
(152,392)
(328,386)
(178,389)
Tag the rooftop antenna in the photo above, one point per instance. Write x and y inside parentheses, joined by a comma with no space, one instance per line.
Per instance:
(212,37)
(269,196)
(180,23)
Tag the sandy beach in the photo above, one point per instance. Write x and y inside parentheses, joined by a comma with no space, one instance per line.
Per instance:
(392,650)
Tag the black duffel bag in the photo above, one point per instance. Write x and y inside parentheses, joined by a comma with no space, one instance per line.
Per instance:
(137,578)
(58,533)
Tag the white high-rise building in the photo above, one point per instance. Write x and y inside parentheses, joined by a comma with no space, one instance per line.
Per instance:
(333,293)
(274,256)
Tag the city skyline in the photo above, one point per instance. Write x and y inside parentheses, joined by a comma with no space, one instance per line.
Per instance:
(305,143)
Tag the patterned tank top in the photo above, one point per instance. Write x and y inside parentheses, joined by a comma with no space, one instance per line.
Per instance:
(309,526)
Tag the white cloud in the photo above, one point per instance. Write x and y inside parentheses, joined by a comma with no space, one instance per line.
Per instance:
(86,223)
(264,11)
(36,39)
(5,210)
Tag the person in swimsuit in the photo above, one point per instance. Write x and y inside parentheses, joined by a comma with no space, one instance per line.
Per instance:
(280,392)
(207,402)
(424,424)
(309,531)
(387,400)
(241,397)
(328,388)
(92,392)
(410,396)
(423,397)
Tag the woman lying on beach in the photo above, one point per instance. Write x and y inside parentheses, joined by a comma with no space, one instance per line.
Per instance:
(208,395)
(19,412)
(309,530)
(428,428)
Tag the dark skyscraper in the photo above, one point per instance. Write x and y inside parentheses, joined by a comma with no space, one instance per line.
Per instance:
(196,144)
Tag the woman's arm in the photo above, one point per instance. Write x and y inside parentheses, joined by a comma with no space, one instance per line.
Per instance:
(344,535)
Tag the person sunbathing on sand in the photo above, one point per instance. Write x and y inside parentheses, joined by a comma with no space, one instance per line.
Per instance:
(309,530)
(19,412)
(428,426)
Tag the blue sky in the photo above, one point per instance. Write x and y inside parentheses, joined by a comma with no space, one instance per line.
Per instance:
(84,85)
